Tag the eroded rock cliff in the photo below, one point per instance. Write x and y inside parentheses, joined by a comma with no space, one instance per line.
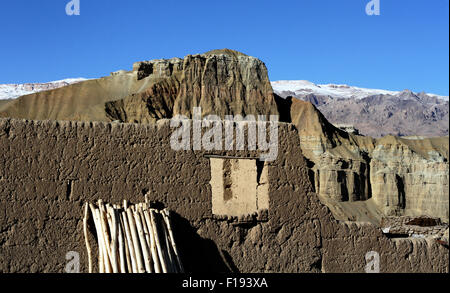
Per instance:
(221,82)
(389,176)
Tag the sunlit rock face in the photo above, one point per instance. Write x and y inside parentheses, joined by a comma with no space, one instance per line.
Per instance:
(392,175)
(405,182)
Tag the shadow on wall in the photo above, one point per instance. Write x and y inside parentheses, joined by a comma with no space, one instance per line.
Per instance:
(199,255)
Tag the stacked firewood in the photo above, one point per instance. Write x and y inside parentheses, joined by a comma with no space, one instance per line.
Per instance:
(132,239)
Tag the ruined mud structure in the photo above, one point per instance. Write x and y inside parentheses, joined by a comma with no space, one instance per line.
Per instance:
(49,169)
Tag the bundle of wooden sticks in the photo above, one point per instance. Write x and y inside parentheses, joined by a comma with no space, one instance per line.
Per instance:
(132,239)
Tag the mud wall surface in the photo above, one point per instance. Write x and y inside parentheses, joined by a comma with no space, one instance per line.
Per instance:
(49,169)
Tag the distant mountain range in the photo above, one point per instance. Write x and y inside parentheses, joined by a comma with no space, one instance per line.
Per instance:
(301,88)
(12,91)
(374,112)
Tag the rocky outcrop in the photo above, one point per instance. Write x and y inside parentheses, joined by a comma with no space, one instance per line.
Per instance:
(395,176)
(154,103)
(409,177)
(221,82)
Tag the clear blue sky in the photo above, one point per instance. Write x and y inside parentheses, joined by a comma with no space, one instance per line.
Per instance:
(324,41)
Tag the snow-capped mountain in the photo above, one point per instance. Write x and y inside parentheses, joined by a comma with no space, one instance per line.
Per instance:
(304,87)
(373,112)
(12,91)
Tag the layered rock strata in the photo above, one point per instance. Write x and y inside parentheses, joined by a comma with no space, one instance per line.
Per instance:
(392,175)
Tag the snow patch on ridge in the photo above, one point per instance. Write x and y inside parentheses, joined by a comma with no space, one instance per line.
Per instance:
(304,87)
(12,91)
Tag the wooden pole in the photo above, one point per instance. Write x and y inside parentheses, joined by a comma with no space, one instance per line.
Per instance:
(162,258)
(147,238)
(95,214)
(122,258)
(140,230)
(134,235)
(127,261)
(166,215)
(85,228)
(130,244)
(167,247)
(113,232)
(155,257)
(106,239)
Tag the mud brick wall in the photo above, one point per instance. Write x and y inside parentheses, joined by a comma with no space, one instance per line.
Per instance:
(49,169)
